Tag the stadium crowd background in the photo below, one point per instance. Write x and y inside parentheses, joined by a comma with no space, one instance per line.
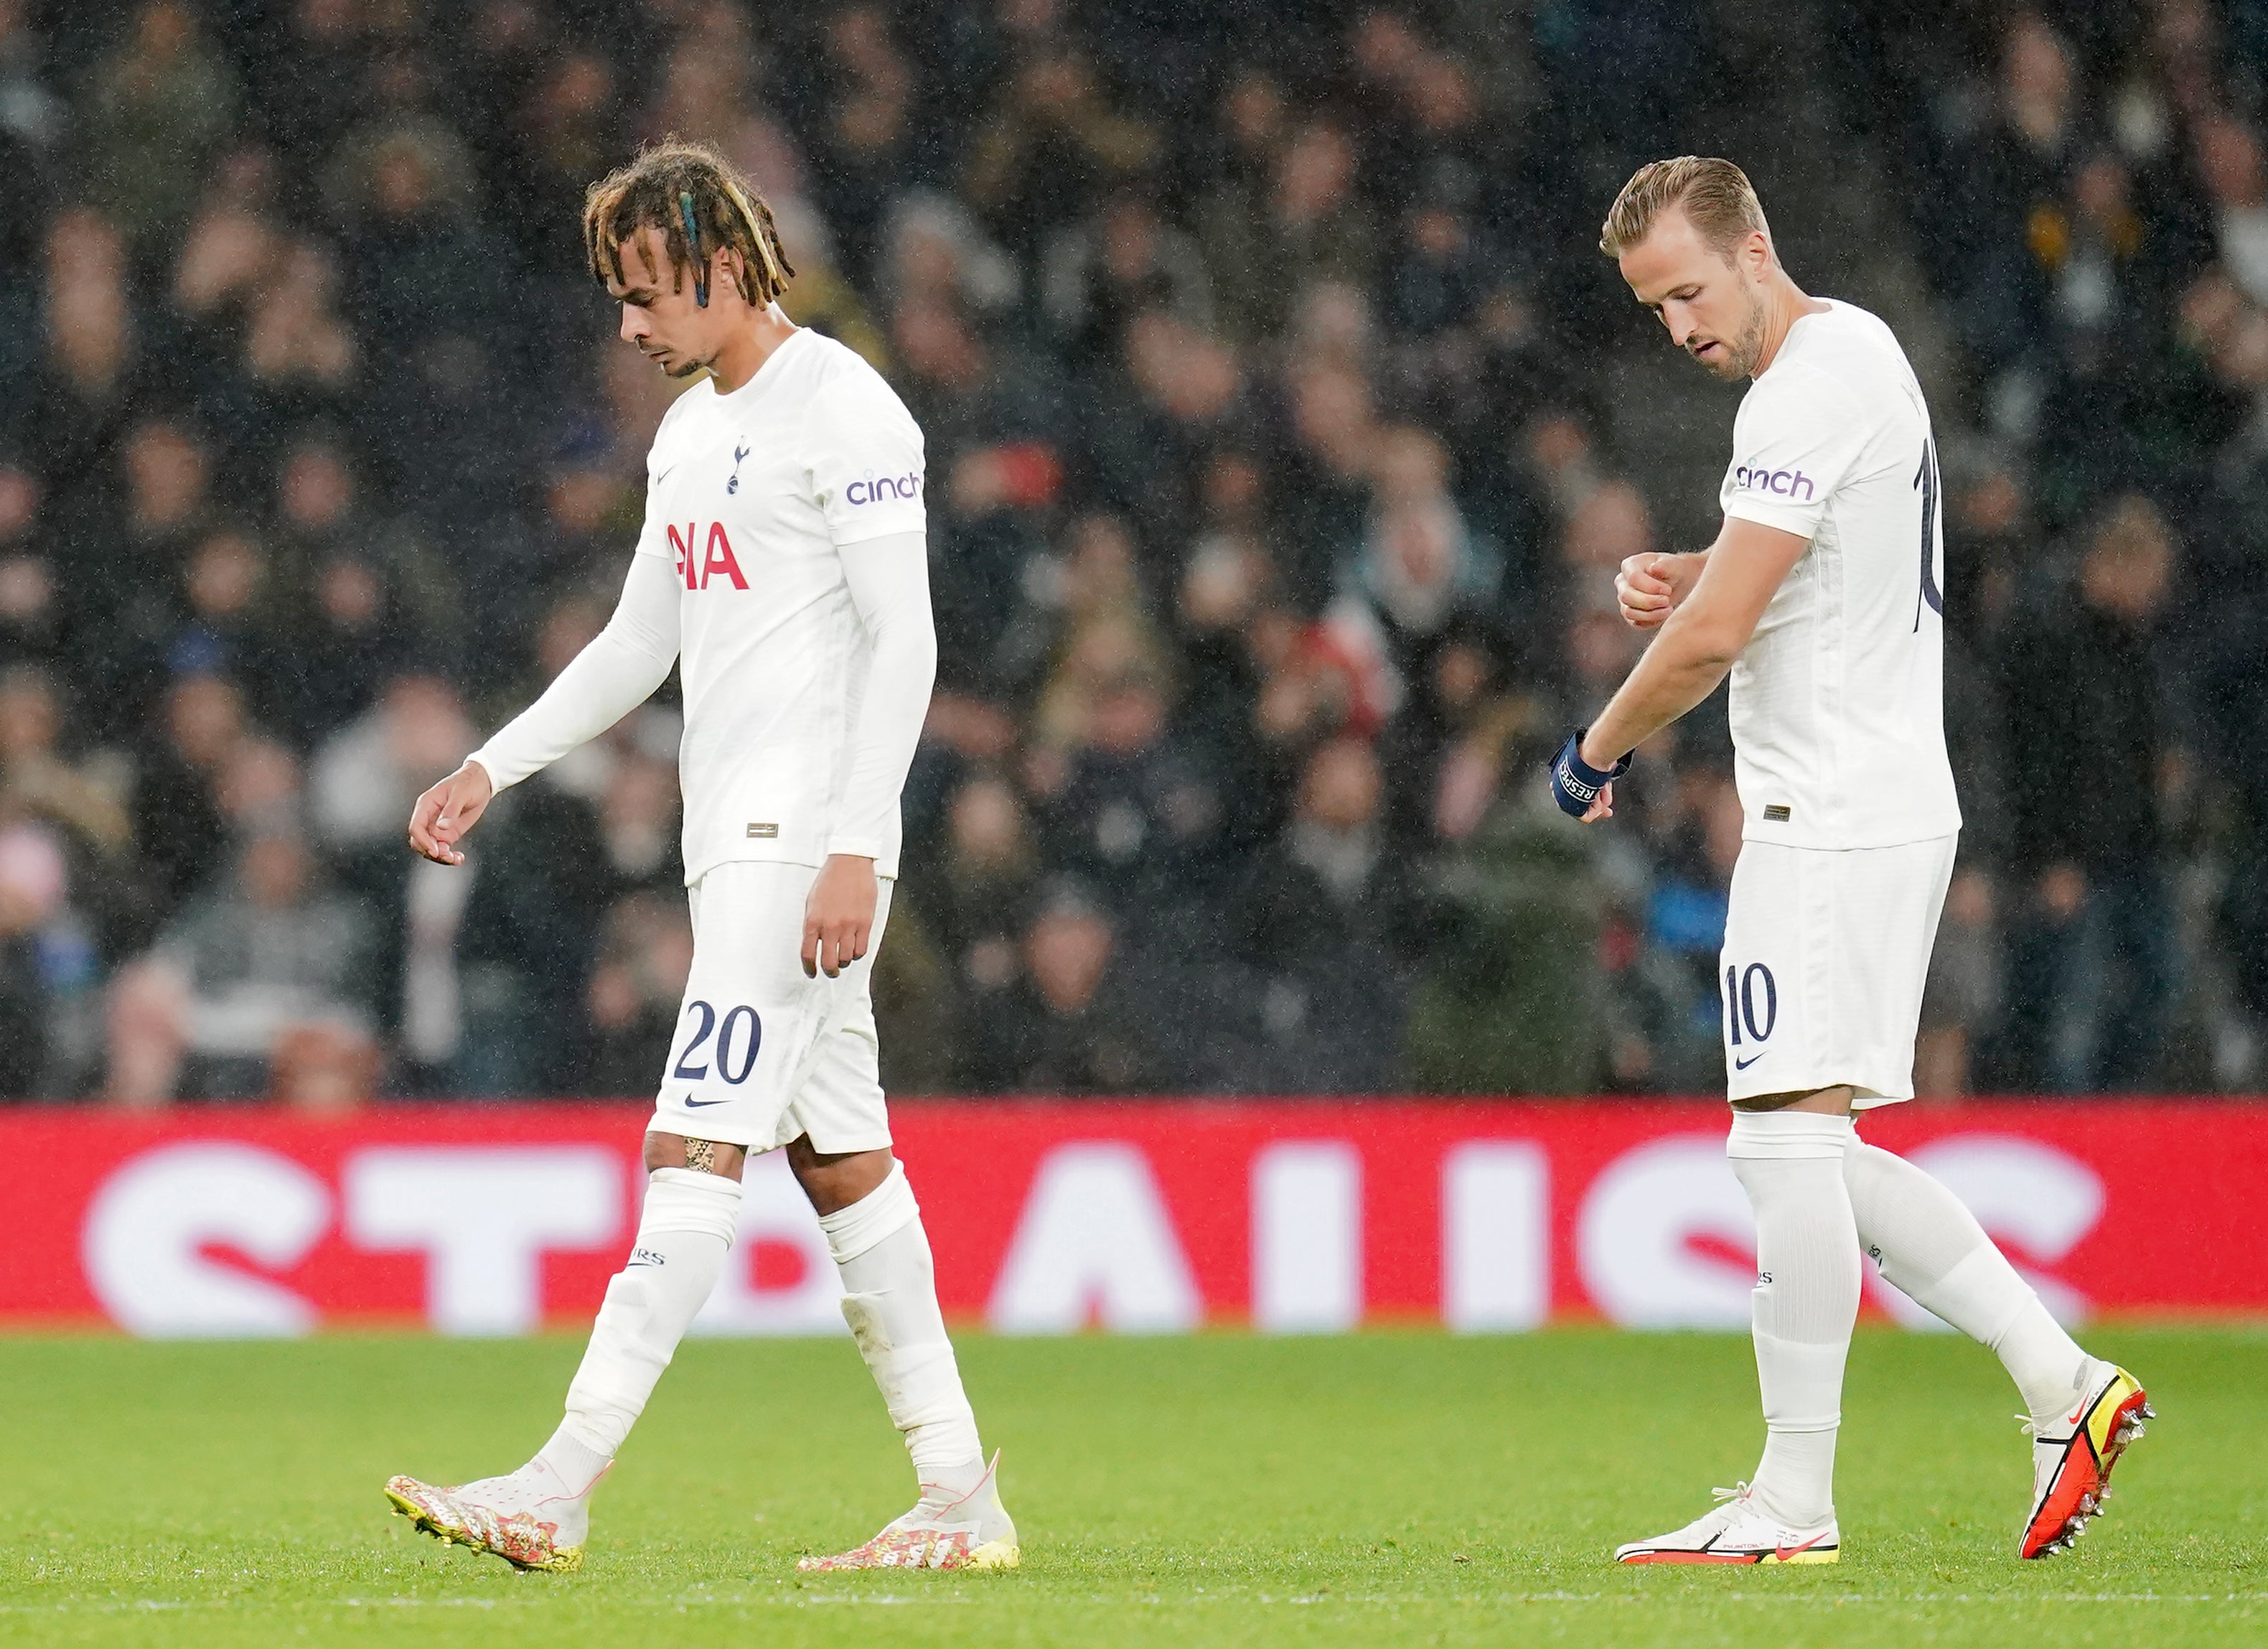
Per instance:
(1284,430)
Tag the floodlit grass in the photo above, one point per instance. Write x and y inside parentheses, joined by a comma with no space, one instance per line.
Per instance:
(1383,1489)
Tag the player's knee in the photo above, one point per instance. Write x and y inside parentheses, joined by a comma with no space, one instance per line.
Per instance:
(834,1181)
(1828,1101)
(675,1151)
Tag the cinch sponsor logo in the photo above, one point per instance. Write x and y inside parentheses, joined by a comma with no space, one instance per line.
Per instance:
(716,556)
(1781,483)
(873,489)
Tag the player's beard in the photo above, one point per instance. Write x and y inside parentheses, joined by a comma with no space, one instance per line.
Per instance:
(681,365)
(677,364)
(1741,356)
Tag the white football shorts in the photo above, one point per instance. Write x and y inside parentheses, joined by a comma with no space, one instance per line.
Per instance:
(762,1055)
(1825,955)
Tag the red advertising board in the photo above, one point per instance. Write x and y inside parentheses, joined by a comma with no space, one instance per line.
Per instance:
(1047,1218)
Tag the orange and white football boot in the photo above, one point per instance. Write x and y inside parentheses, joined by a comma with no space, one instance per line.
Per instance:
(2072,1455)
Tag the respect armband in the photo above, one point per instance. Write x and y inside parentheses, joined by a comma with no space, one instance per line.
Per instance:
(1575,783)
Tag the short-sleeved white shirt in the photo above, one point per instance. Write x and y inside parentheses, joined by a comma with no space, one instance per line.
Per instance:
(1837,701)
(749,497)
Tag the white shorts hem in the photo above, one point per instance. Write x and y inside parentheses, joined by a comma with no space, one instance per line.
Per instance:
(1862,1096)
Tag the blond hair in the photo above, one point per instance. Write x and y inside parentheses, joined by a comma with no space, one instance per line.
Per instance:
(1714,195)
(699,204)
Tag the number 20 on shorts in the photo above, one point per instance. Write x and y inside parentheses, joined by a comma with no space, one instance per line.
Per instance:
(732,1064)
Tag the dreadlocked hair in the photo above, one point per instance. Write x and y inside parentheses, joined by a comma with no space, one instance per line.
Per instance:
(672,181)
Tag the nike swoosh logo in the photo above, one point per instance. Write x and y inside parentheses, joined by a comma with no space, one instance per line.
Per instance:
(664,475)
(1783,1553)
(1744,1064)
(691,1104)
(2076,1415)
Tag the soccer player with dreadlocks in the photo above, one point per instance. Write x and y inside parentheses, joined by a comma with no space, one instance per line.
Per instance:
(783,568)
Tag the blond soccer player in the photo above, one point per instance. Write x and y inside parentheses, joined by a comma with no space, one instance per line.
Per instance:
(1821,599)
(782,568)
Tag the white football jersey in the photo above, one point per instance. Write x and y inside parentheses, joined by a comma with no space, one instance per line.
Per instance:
(749,497)
(1837,701)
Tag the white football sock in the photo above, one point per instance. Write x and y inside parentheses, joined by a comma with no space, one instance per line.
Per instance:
(545,1492)
(1804,1303)
(683,1235)
(575,1463)
(1932,1249)
(890,1302)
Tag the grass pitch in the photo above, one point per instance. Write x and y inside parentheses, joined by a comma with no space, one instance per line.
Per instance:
(1382,1489)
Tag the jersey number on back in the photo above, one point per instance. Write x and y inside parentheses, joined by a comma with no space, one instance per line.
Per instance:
(1925,478)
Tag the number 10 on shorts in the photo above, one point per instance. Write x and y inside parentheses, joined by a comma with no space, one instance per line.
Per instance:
(1751,1002)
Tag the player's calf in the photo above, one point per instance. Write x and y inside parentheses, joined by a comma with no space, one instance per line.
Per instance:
(537,1518)
(890,1299)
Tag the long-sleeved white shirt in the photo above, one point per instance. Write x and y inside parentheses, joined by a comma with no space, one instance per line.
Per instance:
(784,567)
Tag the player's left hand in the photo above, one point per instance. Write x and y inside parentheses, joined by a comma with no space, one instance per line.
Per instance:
(1582,791)
(838,917)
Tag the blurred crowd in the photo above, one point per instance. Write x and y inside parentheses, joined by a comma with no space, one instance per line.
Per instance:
(1265,358)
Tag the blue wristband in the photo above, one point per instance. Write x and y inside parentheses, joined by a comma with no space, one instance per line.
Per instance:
(1575,783)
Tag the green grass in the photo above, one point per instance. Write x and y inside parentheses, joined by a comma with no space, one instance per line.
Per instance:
(1387,1489)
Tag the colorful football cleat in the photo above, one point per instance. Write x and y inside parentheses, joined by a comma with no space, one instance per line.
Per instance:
(970,1531)
(500,1515)
(2071,1458)
(1737,1532)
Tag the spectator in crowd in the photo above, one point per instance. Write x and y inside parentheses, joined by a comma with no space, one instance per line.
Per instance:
(1310,225)
(2083,683)
(263,953)
(1135,816)
(1420,574)
(1966,990)
(1082,1017)
(367,774)
(1509,997)
(1123,262)
(32,879)
(867,135)
(1054,143)
(163,103)
(983,892)
(1327,921)
(645,955)
(1326,476)
(38,781)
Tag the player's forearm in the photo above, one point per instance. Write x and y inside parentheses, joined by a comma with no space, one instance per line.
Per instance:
(1680,670)
(889,587)
(617,672)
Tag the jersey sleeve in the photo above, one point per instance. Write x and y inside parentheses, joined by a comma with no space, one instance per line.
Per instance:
(889,587)
(866,461)
(652,538)
(610,678)
(1795,441)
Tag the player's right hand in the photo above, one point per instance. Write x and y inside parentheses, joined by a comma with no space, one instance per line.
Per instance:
(1647,589)
(445,812)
